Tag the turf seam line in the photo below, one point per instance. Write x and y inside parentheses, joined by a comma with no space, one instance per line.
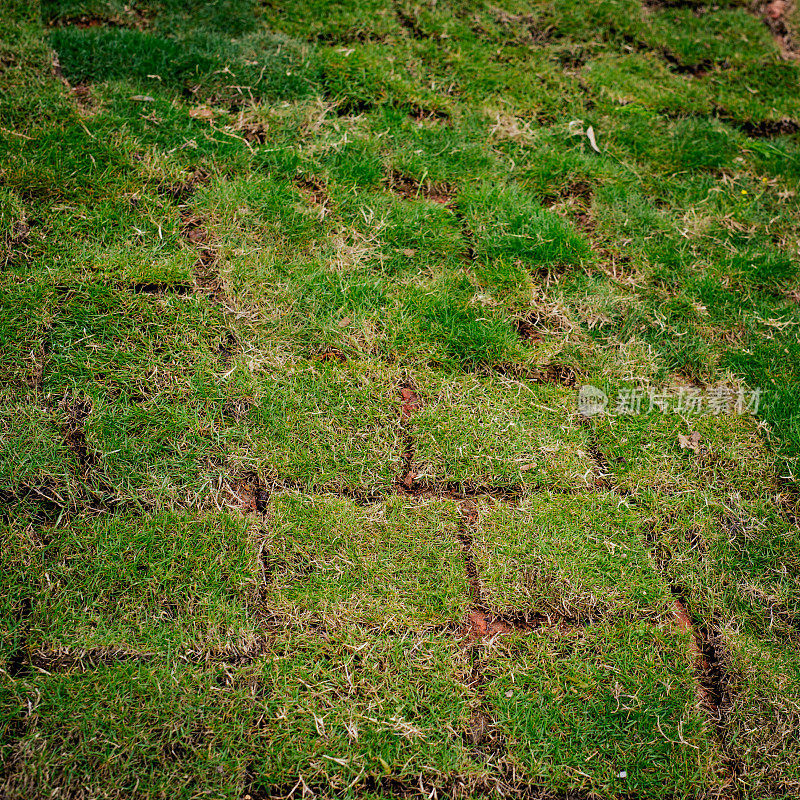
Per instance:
(773,14)
(315,191)
(15,244)
(227,349)
(470,254)
(97,494)
(706,649)
(409,405)
(207,277)
(160,288)
(409,188)
(467,522)
(709,671)
(19,660)
(409,23)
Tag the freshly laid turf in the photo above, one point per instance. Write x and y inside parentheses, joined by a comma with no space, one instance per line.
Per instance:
(302,306)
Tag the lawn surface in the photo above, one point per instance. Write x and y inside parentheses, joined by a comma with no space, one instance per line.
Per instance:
(298,303)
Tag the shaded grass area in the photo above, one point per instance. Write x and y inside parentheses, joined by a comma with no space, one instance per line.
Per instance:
(297,303)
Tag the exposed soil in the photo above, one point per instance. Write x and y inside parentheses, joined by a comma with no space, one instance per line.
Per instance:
(603,475)
(206,268)
(45,497)
(697,69)
(423,115)
(528,329)
(237,409)
(409,405)
(698,7)
(707,650)
(523,29)
(409,23)
(539,323)
(412,189)
(468,520)
(18,662)
(252,493)
(560,374)
(131,18)
(76,412)
(775,14)
(227,349)
(579,191)
(183,190)
(314,189)
(82,92)
(709,686)
(14,246)
(331,354)
(161,287)
(769,128)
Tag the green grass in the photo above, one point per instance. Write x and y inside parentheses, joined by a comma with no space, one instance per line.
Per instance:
(278,446)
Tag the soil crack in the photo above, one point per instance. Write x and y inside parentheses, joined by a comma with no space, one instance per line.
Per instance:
(409,405)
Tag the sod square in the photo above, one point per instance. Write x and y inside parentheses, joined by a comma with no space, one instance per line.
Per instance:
(347,710)
(508,223)
(645,451)
(610,709)
(580,557)
(120,344)
(125,728)
(501,432)
(32,449)
(735,561)
(762,684)
(388,566)
(320,425)
(162,583)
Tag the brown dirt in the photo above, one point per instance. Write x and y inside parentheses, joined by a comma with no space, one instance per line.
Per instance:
(769,128)
(524,29)
(699,8)
(206,268)
(82,92)
(775,14)
(409,22)
(183,190)
(412,189)
(314,189)
(227,349)
(45,496)
(706,659)
(468,521)
(130,19)
(538,323)
(331,354)
(252,493)
(160,287)
(76,412)
(409,405)
(423,115)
